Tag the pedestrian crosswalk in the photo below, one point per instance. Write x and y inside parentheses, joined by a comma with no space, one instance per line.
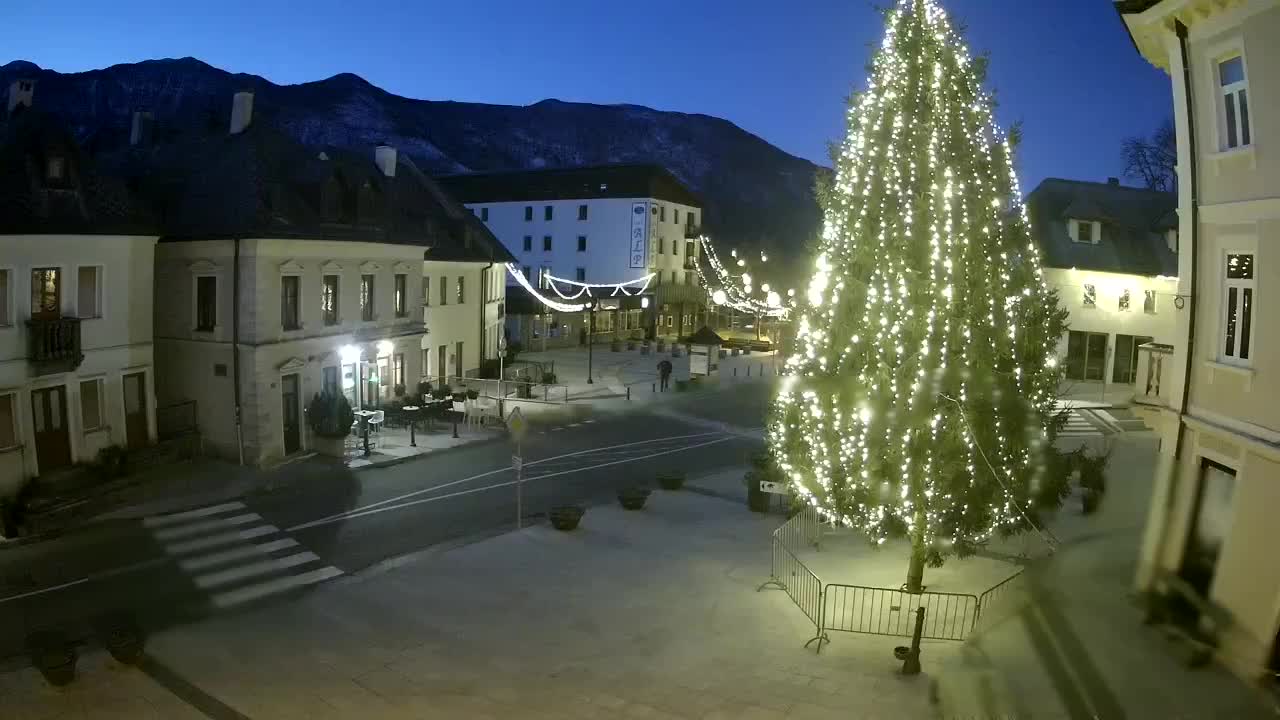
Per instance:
(233,555)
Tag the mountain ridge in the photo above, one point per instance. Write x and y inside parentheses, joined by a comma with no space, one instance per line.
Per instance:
(756,194)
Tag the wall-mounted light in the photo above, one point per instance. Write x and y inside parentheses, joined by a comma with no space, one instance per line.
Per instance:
(644,302)
(385,347)
(349,354)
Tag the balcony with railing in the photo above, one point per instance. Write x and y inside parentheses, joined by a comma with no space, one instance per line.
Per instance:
(1154,380)
(53,344)
(692,232)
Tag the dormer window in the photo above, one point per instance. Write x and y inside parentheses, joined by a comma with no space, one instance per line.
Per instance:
(55,168)
(1085,231)
(368,203)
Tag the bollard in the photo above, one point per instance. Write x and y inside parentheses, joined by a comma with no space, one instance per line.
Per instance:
(455,425)
(911,665)
(413,441)
(735,372)
(628,393)
(748,371)
(654,387)
(546,389)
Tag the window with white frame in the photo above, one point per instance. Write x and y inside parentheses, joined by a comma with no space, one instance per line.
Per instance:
(1233,112)
(89,291)
(1086,231)
(1090,296)
(1237,308)
(206,309)
(6,302)
(8,421)
(91,414)
(1149,302)
(1123,304)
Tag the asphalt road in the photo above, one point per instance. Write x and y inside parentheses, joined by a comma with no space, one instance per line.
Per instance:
(327,522)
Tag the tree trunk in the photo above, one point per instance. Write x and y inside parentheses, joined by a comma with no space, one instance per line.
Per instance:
(915,571)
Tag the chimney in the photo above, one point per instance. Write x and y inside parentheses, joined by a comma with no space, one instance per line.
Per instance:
(241,111)
(384,156)
(20,92)
(1113,181)
(140,132)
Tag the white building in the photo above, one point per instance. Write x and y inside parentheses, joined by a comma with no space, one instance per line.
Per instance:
(75,302)
(1212,521)
(601,224)
(1111,253)
(284,271)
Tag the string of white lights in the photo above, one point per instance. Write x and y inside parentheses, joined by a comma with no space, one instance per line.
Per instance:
(553,304)
(628,288)
(735,291)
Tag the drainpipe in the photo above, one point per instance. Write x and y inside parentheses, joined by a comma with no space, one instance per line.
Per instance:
(1193,230)
(235,345)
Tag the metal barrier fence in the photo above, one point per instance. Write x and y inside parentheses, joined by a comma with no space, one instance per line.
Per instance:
(176,420)
(996,601)
(512,389)
(793,577)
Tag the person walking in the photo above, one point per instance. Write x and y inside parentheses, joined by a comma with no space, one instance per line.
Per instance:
(664,374)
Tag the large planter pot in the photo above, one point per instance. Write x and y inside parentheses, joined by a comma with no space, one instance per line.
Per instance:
(330,446)
(671,480)
(633,498)
(644,348)
(615,346)
(122,637)
(631,344)
(53,655)
(566,517)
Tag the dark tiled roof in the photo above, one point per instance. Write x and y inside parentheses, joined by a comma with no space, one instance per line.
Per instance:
(84,202)
(260,183)
(1133,224)
(575,183)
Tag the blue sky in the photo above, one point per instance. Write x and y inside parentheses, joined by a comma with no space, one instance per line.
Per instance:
(1064,68)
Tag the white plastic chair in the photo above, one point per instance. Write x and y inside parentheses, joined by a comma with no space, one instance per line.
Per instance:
(375,427)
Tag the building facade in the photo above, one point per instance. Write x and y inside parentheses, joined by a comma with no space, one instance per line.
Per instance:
(603,225)
(463,308)
(1217,490)
(76,357)
(1111,253)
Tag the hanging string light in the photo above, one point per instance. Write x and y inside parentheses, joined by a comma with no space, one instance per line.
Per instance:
(737,290)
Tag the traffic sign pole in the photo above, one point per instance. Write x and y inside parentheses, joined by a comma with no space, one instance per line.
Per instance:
(518,461)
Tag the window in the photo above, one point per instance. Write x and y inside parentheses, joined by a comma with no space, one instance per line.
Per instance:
(582,242)
(8,421)
(688,277)
(289,302)
(673,277)
(662,246)
(582,212)
(675,216)
(1234,119)
(90,405)
(484,214)
(55,168)
(528,243)
(1237,322)
(444,290)
(426,290)
(397,369)
(1126,358)
(528,273)
(1086,231)
(691,220)
(329,300)
(1149,302)
(462,295)
(366,297)
(1090,298)
(662,213)
(329,380)
(546,212)
(6,318)
(546,243)
(46,292)
(1086,355)
(528,213)
(1123,305)
(89,292)
(581,275)
(402,295)
(689,250)
(543,282)
(675,247)
(206,303)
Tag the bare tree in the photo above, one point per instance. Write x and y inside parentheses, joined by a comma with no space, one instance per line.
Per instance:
(1152,160)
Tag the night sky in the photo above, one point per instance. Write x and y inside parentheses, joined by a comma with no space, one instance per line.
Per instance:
(1064,68)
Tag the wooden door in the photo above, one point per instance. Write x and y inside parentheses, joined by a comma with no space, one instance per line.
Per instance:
(290,414)
(135,411)
(49,421)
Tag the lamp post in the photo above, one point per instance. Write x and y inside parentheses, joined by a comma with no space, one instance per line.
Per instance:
(591,329)
(502,358)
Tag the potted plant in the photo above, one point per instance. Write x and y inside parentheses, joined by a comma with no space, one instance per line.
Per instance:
(615,345)
(1092,478)
(424,391)
(644,348)
(441,392)
(330,418)
(473,394)
(566,517)
(671,479)
(122,637)
(53,655)
(762,469)
(662,345)
(631,343)
(112,462)
(633,497)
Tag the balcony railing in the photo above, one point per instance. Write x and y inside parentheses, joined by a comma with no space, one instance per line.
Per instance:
(692,232)
(1152,385)
(54,344)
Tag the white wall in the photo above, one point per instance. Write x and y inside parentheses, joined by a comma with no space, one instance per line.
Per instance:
(608,232)
(115,343)
(451,322)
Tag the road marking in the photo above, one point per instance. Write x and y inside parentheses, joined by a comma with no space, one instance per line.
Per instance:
(264,567)
(156,521)
(205,543)
(271,587)
(227,556)
(203,526)
(41,591)
(434,488)
(375,510)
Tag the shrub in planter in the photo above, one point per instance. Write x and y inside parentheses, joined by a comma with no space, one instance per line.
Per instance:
(631,344)
(398,390)
(671,480)
(330,418)
(441,392)
(473,394)
(644,348)
(662,345)
(424,391)
(53,655)
(615,345)
(1092,478)
(121,636)
(633,498)
(112,462)
(566,517)
(763,468)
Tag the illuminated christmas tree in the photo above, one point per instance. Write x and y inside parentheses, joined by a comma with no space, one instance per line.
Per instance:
(922,397)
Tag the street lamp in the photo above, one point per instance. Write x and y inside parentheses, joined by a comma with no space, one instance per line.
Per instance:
(502,358)
(591,330)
